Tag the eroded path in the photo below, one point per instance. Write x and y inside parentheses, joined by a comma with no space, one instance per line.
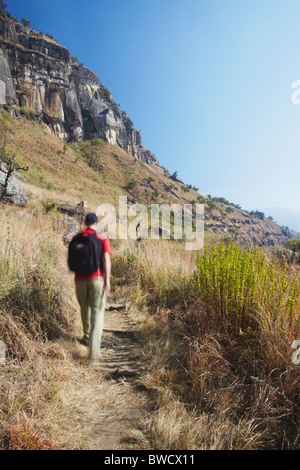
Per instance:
(121,366)
(120,350)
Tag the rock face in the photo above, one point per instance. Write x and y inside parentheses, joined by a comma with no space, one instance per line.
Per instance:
(38,73)
(7,91)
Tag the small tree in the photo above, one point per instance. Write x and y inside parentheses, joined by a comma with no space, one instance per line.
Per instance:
(25,22)
(105,94)
(3,5)
(201,199)
(293,245)
(8,166)
(127,121)
(11,17)
(90,157)
(132,184)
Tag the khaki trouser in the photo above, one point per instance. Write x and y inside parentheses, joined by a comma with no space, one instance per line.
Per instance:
(92,300)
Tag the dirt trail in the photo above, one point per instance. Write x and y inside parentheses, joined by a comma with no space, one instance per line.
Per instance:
(120,363)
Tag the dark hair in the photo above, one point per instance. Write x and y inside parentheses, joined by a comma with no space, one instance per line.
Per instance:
(91,219)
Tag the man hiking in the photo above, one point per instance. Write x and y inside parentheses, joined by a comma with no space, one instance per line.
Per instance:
(92,283)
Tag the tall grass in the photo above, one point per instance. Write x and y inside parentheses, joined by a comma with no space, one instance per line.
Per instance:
(239,282)
(32,287)
(224,325)
(35,309)
(158,273)
(247,293)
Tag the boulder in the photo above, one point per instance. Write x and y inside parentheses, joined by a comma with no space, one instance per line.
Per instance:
(14,193)
(76,212)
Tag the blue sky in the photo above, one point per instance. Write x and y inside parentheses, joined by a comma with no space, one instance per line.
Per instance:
(208,83)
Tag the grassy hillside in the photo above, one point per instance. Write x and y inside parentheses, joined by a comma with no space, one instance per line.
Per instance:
(217,325)
(90,170)
(98,172)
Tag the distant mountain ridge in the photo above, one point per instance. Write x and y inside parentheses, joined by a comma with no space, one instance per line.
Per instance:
(286,217)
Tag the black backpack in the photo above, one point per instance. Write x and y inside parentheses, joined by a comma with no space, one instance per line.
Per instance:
(85,253)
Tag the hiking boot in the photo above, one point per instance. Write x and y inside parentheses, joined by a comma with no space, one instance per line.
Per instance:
(84,340)
(94,364)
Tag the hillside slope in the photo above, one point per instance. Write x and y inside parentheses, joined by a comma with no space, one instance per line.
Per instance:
(98,172)
(48,98)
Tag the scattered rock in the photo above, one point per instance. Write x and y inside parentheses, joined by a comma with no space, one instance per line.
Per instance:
(83,204)
(68,237)
(77,212)
(70,223)
(22,216)
(115,307)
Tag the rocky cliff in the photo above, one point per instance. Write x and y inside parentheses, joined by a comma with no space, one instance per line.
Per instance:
(39,75)
(40,79)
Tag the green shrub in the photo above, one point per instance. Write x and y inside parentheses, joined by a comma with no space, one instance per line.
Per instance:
(211,205)
(238,284)
(127,121)
(25,22)
(105,94)
(28,113)
(293,245)
(132,184)
(258,214)
(48,206)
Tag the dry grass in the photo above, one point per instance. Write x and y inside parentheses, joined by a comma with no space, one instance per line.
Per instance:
(209,389)
(33,283)
(213,386)
(202,402)
(55,399)
(49,398)
(36,309)
(158,272)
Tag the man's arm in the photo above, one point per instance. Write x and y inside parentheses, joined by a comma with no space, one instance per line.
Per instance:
(107,271)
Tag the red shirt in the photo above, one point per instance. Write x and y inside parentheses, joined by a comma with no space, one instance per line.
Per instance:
(106,249)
